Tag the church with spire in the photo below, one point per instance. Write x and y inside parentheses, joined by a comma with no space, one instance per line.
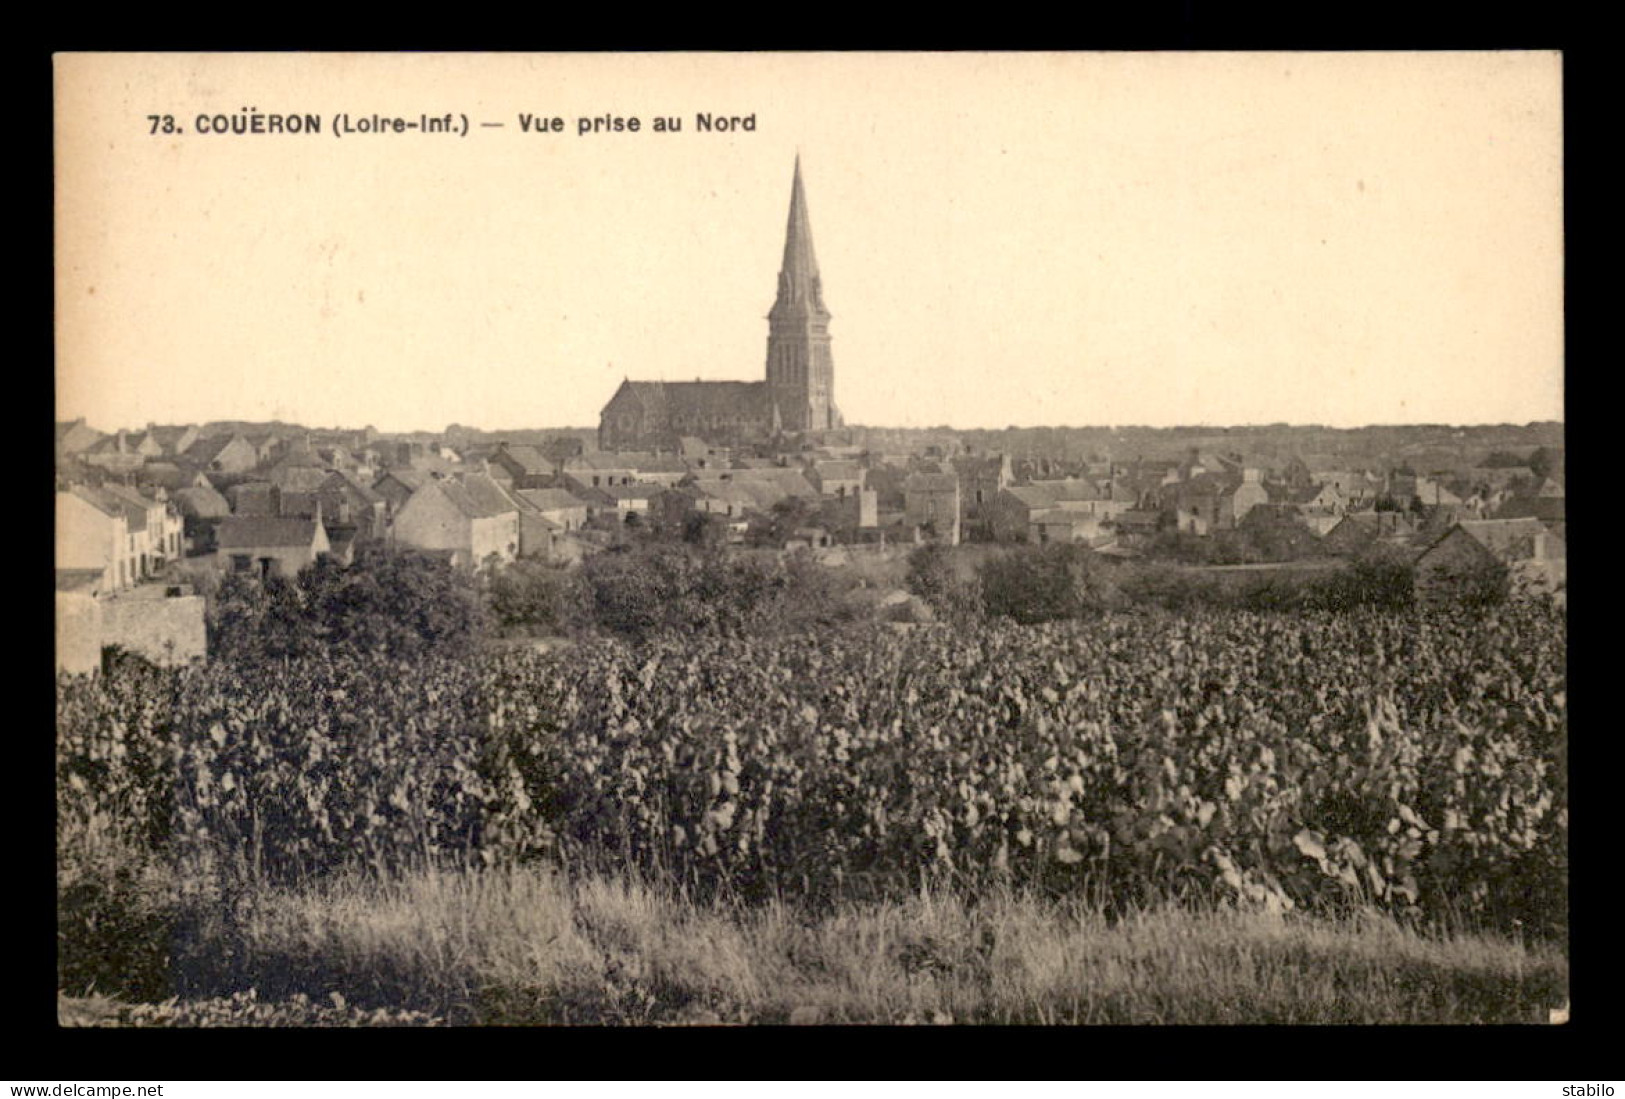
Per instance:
(797,396)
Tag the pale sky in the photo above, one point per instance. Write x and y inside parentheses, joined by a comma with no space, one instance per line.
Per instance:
(1028,239)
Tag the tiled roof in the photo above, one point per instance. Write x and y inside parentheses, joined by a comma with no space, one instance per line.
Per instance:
(1054,516)
(598,460)
(839,471)
(633,492)
(131,503)
(413,479)
(168,474)
(476,496)
(299,478)
(168,435)
(1506,538)
(201,501)
(208,449)
(1551,509)
(728,491)
(341,482)
(1047,494)
(931,482)
(250,531)
(1069,489)
(549,499)
(658,463)
(666,400)
(529,458)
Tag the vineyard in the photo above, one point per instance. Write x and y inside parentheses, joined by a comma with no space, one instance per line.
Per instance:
(1319,762)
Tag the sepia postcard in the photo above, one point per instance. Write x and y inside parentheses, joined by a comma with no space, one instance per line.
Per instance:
(728,539)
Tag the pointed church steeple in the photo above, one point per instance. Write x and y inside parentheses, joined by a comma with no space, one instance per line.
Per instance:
(800,289)
(800,372)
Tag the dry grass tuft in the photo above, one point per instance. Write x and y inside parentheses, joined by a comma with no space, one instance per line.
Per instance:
(525,947)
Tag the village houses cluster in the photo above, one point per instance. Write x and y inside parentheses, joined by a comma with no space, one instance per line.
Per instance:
(139,512)
(769,463)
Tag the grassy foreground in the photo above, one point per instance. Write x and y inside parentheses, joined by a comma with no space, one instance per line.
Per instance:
(526,947)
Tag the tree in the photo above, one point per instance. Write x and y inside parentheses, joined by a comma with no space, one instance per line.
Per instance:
(1545,461)
(390,601)
(531,598)
(701,528)
(780,522)
(395,601)
(1380,577)
(1046,583)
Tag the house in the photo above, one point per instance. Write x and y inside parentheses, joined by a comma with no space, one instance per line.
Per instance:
(267,445)
(224,454)
(435,462)
(1432,493)
(93,536)
(269,545)
(700,454)
(523,466)
(836,478)
(1014,509)
(396,486)
(764,486)
(470,517)
(656,469)
(1319,496)
(172,440)
(1066,525)
(634,497)
(75,437)
(201,509)
(346,502)
(200,502)
(126,442)
(1285,532)
(981,477)
(160,524)
(1250,493)
(1136,527)
(1358,532)
(255,498)
(1543,500)
(555,505)
(726,498)
(1535,557)
(116,454)
(931,502)
(599,470)
(808,538)
(1357,487)
(298,470)
(537,533)
(171,476)
(1206,502)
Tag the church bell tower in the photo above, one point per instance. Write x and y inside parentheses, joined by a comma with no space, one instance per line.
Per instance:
(800,372)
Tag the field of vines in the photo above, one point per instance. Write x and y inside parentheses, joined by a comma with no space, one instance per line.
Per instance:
(1411,761)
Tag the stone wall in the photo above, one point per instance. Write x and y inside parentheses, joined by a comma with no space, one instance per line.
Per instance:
(165,631)
(78,632)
